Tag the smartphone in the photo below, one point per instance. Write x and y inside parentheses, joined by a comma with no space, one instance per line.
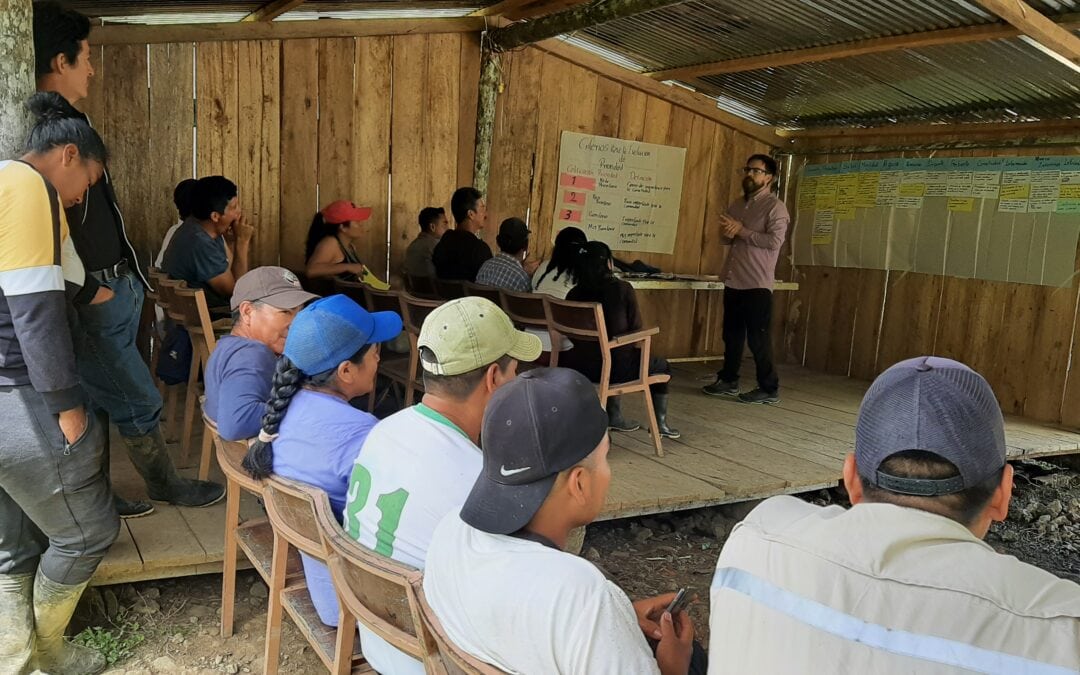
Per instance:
(679,602)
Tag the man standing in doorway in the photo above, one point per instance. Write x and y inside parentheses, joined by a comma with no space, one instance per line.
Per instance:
(108,307)
(754,226)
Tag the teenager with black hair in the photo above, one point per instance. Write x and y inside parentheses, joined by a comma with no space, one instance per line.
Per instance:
(109,304)
(460,253)
(433,225)
(310,433)
(57,518)
(597,283)
(555,277)
(183,197)
(210,250)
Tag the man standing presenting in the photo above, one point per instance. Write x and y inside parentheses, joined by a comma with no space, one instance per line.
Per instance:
(110,303)
(754,226)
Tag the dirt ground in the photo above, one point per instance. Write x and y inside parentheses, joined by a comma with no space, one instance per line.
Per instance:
(172,626)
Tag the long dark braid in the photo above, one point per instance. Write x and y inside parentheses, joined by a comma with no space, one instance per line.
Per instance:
(288,379)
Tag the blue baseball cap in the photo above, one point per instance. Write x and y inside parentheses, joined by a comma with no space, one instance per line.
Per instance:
(332,330)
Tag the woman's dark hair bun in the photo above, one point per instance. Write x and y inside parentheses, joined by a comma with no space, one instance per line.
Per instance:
(49,105)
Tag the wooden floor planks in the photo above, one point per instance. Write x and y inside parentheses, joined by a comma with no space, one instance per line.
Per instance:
(729,452)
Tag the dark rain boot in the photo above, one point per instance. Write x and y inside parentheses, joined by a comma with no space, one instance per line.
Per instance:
(660,402)
(616,421)
(125,508)
(16,622)
(163,484)
(53,606)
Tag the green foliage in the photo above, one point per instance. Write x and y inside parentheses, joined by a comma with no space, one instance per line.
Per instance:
(116,643)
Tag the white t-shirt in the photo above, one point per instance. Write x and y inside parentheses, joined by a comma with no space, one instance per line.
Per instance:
(550,285)
(529,608)
(415,467)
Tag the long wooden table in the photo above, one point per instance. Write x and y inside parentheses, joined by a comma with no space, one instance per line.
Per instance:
(694,284)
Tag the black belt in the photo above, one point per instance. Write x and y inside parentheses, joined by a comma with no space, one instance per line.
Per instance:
(110,273)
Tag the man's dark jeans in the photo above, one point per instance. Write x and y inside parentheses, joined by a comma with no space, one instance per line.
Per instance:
(748,318)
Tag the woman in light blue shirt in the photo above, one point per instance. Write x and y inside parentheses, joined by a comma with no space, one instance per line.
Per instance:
(310,433)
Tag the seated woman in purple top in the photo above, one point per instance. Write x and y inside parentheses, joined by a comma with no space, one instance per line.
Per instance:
(310,433)
(238,374)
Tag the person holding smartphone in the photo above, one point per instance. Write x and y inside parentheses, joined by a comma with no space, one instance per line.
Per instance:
(57,518)
(497,576)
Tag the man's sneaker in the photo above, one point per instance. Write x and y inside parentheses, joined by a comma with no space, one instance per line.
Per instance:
(131,509)
(721,388)
(759,396)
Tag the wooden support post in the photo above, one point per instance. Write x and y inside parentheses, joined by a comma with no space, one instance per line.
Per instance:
(1038,27)
(485,115)
(570,20)
(16,74)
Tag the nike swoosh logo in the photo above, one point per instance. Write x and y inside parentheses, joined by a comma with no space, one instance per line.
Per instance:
(510,472)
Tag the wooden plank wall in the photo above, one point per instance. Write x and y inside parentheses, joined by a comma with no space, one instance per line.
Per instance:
(544,95)
(296,124)
(1021,337)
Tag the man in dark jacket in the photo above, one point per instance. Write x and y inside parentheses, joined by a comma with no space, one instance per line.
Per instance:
(461,251)
(110,303)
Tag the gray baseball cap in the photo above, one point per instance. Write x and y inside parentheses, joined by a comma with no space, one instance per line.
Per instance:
(275,286)
(544,421)
(936,405)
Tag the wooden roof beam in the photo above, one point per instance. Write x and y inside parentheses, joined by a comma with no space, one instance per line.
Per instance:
(272,10)
(1037,26)
(843,50)
(516,10)
(570,20)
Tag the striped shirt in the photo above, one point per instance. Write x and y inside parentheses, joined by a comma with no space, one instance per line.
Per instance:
(504,271)
(37,263)
(751,262)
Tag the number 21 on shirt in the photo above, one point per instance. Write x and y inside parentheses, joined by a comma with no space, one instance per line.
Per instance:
(390,505)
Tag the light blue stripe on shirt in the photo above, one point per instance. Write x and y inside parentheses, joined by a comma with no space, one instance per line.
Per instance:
(847,627)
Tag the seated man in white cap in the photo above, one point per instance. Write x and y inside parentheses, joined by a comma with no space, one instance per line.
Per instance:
(497,577)
(240,371)
(901,582)
(420,463)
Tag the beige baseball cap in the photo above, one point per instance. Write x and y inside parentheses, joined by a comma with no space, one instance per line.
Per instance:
(470,333)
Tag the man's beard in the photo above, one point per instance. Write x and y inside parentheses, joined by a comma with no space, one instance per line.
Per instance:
(749,186)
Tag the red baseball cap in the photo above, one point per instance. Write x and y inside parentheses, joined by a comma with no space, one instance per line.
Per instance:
(343,211)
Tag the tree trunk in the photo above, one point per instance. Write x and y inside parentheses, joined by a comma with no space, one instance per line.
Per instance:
(485,117)
(16,74)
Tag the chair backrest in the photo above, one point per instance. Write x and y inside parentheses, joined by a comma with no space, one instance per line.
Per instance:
(166,288)
(490,292)
(414,311)
(419,286)
(443,655)
(375,589)
(352,289)
(154,275)
(449,289)
(291,506)
(526,309)
(382,301)
(580,320)
(318,286)
(190,303)
(230,454)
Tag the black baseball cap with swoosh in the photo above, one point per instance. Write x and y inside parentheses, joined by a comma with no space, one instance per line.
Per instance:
(541,423)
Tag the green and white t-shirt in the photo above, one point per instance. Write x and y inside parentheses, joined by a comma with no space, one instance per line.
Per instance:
(415,467)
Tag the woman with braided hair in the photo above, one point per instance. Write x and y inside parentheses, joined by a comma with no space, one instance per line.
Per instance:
(310,433)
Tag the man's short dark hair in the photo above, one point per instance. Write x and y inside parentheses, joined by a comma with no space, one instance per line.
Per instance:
(57,30)
(770,164)
(963,507)
(463,201)
(460,387)
(428,216)
(211,194)
(182,195)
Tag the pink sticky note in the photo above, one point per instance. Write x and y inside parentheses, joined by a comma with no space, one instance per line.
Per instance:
(575,198)
(570,215)
(580,182)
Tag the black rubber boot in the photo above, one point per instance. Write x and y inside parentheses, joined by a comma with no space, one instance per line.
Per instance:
(660,402)
(163,484)
(124,507)
(616,421)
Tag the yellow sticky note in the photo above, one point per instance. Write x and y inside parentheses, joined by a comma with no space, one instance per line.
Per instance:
(845,213)
(1069,191)
(821,239)
(962,204)
(826,201)
(1015,191)
(912,189)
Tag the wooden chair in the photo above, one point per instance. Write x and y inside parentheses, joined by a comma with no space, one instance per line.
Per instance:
(585,321)
(413,312)
(443,656)
(393,366)
(372,589)
(291,506)
(527,310)
(254,537)
(449,289)
(420,287)
(489,292)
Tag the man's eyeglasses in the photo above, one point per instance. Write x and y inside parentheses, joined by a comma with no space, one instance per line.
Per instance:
(753,170)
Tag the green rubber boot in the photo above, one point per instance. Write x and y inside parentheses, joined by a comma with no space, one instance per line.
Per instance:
(53,606)
(16,622)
